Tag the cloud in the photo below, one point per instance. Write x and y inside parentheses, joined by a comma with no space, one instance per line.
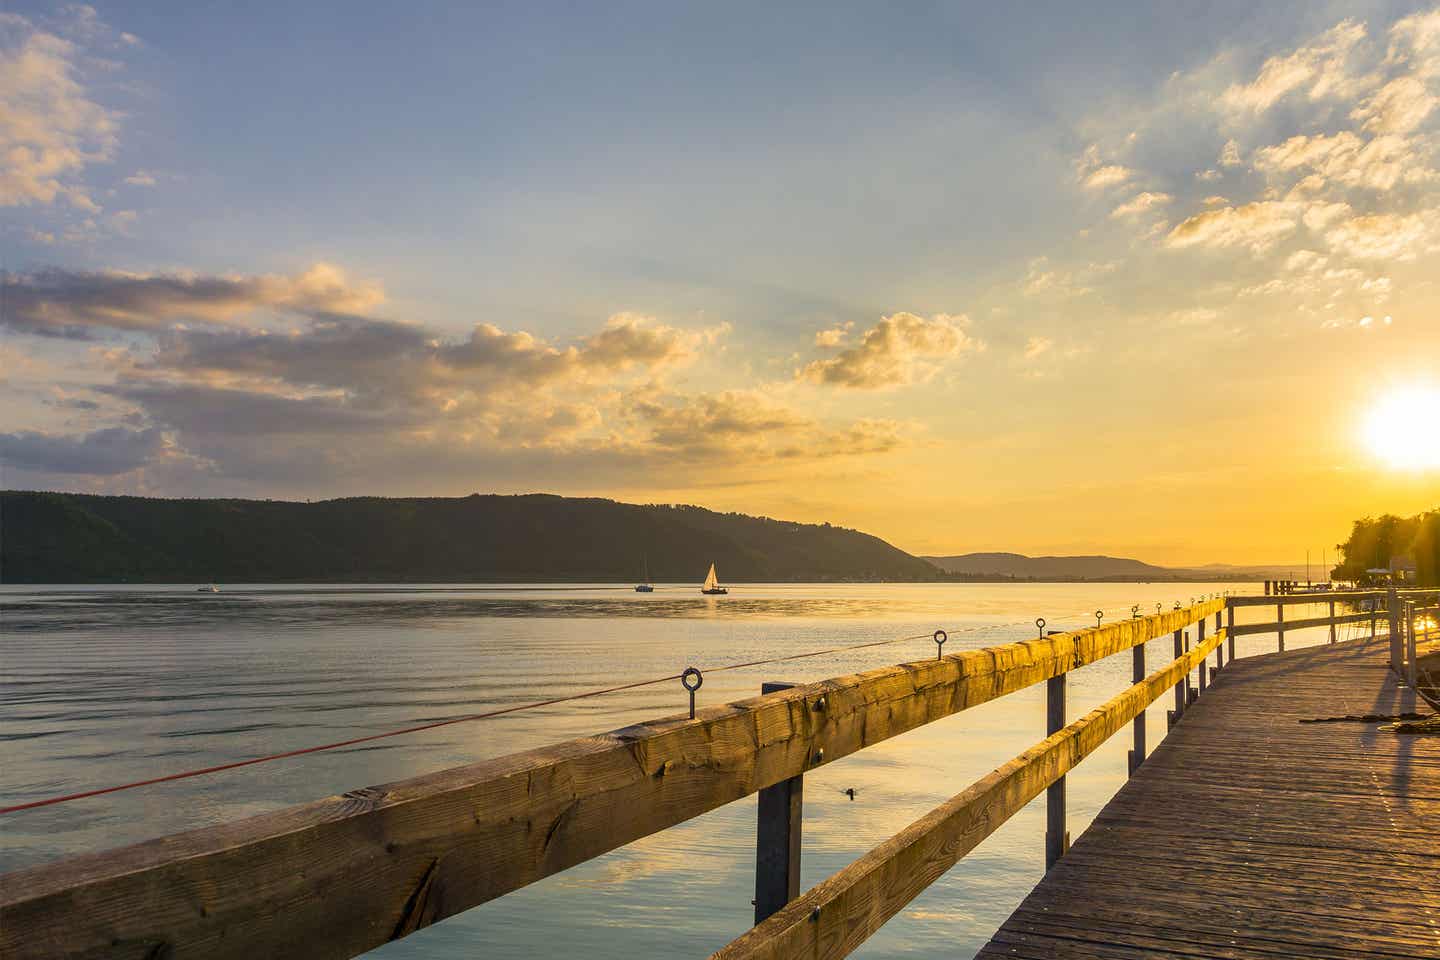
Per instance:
(834,336)
(899,350)
(1193,316)
(386,364)
(202,412)
(1106,176)
(1381,236)
(1361,323)
(752,425)
(1321,214)
(340,395)
(629,339)
(1318,70)
(1044,280)
(79,304)
(108,452)
(1256,226)
(1398,107)
(1230,154)
(1036,347)
(1305,261)
(50,128)
(1415,41)
(141,178)
(1344,158)
(1140,203)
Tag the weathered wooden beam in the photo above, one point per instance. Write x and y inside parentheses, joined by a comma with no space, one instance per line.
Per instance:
(340,876)
(1325,596)
(1248,629)
(833,918)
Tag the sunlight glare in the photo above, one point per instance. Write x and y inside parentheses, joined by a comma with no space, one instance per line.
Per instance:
(1403,428)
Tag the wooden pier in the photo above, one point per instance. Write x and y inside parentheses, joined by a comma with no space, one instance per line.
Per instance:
(1253,833)
(1246,834)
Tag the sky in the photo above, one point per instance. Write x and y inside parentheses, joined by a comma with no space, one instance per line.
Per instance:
(1153,280)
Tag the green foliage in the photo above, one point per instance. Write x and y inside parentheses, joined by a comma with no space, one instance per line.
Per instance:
(1374,541)
(76,538)
(1426,549)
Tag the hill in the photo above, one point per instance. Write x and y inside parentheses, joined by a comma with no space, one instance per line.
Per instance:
(1022,567)
(81,538)
(1017,566)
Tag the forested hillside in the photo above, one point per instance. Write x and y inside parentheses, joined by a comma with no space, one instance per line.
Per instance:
(76,538)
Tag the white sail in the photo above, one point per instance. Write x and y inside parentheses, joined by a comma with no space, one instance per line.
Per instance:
(711,581)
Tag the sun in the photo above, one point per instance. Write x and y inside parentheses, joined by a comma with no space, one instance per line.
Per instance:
(1402,429)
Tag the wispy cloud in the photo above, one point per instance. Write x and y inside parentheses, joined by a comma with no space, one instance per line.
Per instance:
(1140,203)
(85,304)
(51,127)
(901,349)
(1317,70)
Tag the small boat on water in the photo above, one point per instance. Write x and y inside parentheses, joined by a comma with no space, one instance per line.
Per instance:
(208,589)
(644,586)
(712,587)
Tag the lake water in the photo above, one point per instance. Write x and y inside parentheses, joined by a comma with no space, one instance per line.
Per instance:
(101,686)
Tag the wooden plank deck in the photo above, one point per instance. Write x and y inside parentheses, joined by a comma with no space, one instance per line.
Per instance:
(1248,835)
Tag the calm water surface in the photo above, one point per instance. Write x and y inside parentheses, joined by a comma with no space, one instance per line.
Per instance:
(100,686)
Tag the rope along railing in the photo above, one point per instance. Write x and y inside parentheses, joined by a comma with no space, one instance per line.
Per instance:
(684,676)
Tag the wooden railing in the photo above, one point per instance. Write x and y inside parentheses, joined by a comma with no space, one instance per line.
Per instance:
(1417,623)
(343,875)
(1370,606)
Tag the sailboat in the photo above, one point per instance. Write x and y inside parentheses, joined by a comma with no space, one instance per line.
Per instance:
(712,584)
(644,586)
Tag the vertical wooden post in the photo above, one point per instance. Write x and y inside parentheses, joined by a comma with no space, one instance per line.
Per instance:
(1280,624)
(1230,626)
(1057,841)
(1267,588)
(1332,621)
(1410,645)
(1374,607)
(777,838)
(1392,611)
(1184,683)
(1137,674)
(1200,642)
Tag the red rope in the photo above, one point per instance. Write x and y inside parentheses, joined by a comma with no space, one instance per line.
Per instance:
(202,771)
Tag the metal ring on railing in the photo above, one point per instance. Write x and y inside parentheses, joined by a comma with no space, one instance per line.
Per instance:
(940,637)
(685,681)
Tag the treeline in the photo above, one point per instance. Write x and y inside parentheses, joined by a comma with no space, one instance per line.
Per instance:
(77,538)
(1375,541)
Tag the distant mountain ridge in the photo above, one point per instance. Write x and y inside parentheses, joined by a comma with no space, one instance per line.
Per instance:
(82,538)
(85,538)
(1017,566)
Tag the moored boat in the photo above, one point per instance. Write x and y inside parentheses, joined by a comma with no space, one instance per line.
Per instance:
(712,587)
(644,586)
